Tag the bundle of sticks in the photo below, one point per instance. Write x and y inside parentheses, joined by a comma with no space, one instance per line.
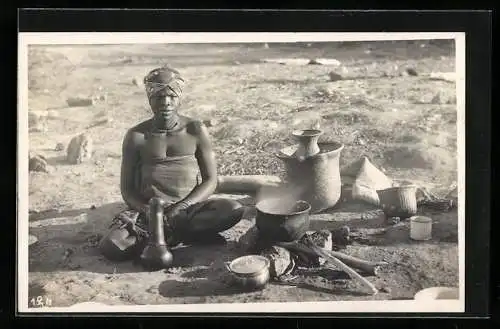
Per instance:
(337,259)
(309,251)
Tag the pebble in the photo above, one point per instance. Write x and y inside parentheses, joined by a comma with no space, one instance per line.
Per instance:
(32,239)
(67,253)
(76,102)
(386,290)
(79,149)
(210,122)
(334,76)
(411,71)
(59,147)
(436,99)
(452,100)
(393,220)
(40,127)
(137,82)
(38,163)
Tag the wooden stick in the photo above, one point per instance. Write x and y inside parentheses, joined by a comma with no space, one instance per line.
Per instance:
(358,263)
(352,273)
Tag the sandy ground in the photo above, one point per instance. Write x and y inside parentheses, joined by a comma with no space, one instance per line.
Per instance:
(377,110)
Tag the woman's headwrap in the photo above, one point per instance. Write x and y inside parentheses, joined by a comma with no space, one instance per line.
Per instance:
(162,78)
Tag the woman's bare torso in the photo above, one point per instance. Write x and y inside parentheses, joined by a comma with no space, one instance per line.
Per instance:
(175,176)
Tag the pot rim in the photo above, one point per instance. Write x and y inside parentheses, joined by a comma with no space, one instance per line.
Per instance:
(249,274)
(338,148)
(397,188)
(301,202)
(308,132)
(421,219)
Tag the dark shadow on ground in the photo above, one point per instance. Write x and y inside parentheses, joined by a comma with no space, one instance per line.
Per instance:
(68,241)
(328,290)
(197,274)
(197,288)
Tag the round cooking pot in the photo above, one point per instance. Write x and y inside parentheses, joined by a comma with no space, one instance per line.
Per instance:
(278,221)
(250,272)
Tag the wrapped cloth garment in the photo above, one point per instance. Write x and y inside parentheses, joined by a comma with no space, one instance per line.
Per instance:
(171,178)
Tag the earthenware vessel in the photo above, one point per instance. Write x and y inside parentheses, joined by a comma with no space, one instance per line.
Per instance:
(156,254)
(308,142)
(316,178)
(277,222)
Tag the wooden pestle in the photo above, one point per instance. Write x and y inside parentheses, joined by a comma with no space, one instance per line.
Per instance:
(156,254)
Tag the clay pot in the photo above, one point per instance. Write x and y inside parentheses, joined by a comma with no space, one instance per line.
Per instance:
(399,201)
(314,179)
(308,142)
(277,223)
(156,254)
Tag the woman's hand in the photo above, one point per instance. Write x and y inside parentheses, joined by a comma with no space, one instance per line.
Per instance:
(179,208)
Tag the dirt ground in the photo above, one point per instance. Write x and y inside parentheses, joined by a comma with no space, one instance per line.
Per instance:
(377,110)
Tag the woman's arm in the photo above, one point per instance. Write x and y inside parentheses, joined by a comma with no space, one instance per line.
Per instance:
(208,168)
(130,159)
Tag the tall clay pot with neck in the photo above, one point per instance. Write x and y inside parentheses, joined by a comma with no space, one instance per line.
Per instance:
(315,178)
(156,255)
(308,142)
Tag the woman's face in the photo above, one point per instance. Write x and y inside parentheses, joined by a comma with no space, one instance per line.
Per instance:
(164,103)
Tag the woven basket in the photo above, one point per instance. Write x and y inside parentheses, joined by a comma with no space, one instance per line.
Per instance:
(398,201)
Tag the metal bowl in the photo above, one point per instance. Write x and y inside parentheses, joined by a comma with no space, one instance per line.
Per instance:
(250,272)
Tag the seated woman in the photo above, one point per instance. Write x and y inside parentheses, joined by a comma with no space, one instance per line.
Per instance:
(168,156)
